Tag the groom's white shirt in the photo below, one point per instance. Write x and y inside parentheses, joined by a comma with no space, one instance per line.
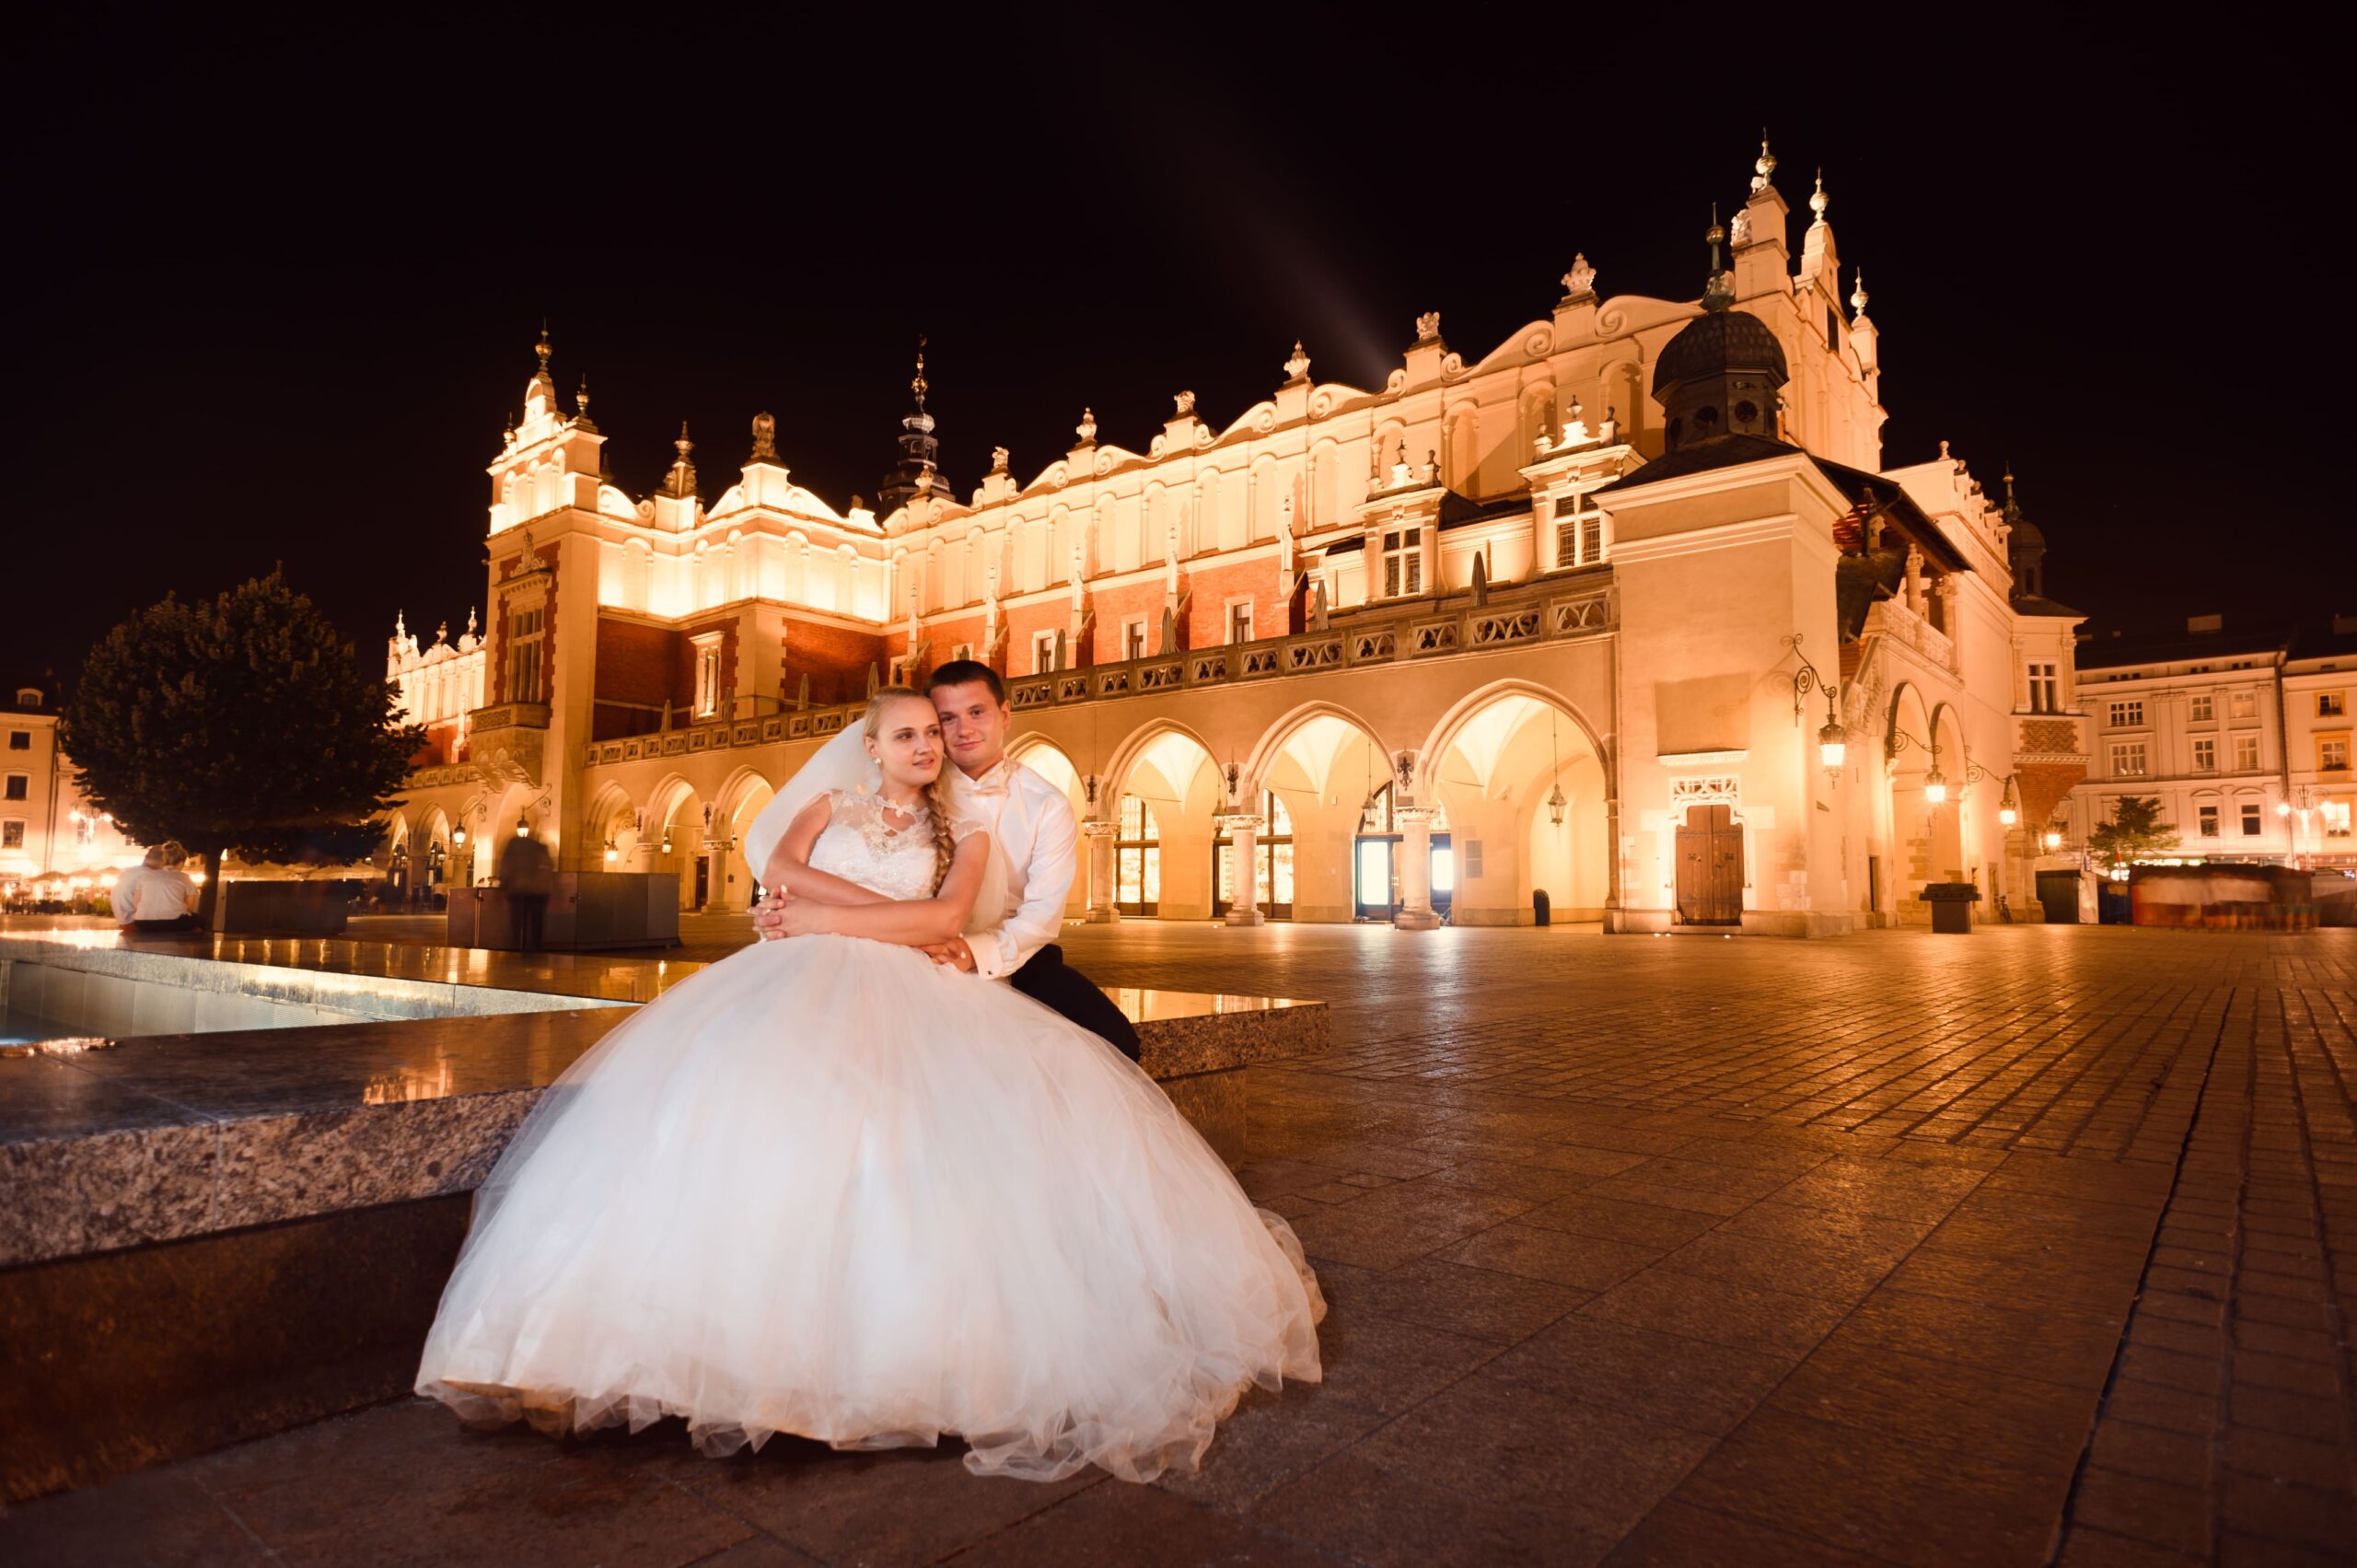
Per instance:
(1031,823)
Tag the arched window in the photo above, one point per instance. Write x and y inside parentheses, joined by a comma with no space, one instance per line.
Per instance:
(1375,853)
(1272,850)
(1137,859)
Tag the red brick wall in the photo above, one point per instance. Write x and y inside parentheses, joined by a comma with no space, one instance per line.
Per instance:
(836,659)
(1116,605)
(941,638)
(1213,587)
(2042,786)
(639,667)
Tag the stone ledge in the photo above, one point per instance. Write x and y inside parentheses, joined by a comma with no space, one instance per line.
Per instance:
(113,1142)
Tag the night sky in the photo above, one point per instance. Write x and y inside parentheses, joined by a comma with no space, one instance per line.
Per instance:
(277,291)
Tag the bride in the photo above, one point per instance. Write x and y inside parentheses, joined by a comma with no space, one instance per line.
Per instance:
(828,1187)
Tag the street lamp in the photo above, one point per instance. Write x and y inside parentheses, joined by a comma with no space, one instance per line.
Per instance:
(2053,840)
(1833,740)
(1936,783)
(522,827)
(2009,804)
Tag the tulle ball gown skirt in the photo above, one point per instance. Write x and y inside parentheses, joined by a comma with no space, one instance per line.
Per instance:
(827,1188)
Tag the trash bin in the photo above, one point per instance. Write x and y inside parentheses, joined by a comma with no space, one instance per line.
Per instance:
(1951,906)
(1541,909)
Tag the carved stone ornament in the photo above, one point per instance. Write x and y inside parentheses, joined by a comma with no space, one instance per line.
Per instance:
(998,459)
(1428,327)
(764,438)
(1581,279)
(1712,789)
(1298,364)
(1087,428)
(1739,231)
(1185,405)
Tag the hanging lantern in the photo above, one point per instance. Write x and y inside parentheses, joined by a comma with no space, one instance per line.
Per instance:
(1936,787)
(522,827)
(2053,840)
(612,855)
(1832,746)
(1555,804)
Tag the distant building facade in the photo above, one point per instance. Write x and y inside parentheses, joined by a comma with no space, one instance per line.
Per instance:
(55,845)
(1625,611)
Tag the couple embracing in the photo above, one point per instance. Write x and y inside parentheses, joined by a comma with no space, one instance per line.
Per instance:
(841,1185)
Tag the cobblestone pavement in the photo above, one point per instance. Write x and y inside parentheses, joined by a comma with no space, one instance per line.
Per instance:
(2035,1245)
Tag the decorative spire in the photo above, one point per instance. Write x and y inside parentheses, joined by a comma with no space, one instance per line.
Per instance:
(917,383)
(2012,507)
(1580,281)
(401,626)
(541,348)
(1763,168)
(764,438)
(1818,201)
(1297,367)
(581,399)
(1087,428)
(681,479)
(1718,289)
(471,620)
(1858,299)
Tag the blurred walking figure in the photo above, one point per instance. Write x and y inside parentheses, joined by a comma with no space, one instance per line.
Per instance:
(528,875)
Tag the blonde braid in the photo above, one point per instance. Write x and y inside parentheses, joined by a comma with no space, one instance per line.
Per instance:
(936,794)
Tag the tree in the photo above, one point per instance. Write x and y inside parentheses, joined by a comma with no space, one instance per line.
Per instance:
(243,724)
(2135,828)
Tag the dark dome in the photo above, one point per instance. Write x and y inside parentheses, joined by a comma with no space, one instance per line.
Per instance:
(1722,341)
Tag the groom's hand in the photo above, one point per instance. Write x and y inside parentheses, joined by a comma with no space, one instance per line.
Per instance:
(955,953)
(768,916)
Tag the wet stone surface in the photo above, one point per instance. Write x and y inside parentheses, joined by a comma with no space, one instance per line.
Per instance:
(2036,1246)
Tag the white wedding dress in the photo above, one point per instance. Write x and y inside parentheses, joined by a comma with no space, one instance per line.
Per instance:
(828,1187)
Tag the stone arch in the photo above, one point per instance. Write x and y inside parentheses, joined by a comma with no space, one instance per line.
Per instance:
(1172,768)
(1496,762)
(674,833)
(1322,762)
(738,800)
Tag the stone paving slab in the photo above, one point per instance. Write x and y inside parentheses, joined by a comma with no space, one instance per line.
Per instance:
(2035,1245)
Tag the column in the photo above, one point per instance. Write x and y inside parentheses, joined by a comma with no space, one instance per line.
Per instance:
(1415,869)
(715,892)
(1244,835)
(1102,909)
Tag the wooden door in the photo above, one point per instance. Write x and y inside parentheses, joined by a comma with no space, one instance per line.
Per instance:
(1710,868)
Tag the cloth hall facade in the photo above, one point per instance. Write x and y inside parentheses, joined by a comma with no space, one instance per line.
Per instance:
(1577,616)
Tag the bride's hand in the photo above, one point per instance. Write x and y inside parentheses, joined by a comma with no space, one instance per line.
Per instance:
(767,915)
(801,917)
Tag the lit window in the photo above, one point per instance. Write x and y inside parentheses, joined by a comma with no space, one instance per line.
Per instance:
(2045,689)
(525,628)
(12,834)
(1579,533)
(2244,704)
(2205,708)
(85,830)
(1403,563)
(2205,754)
(2209,819)
(707,650)
(2127,758)
(1137,859)
(2332,754)
(2336,819)
(2245,753)
(2127,715)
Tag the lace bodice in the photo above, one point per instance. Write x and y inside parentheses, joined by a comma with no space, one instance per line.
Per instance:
(859,844)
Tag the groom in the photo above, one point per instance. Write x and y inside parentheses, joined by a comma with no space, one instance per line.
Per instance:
(1032,824)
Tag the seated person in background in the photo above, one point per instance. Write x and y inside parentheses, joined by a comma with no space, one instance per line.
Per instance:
(165,898)
(126,887)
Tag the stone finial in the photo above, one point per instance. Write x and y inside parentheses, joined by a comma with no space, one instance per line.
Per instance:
(1298,364)
(1858,296)
(581,400)
(1184,403)
(542,348)
(1763,168)
(1819,201)
(1581,280)
(471,620)
(917,383)
(683,446)
(400,627)
(1087,428)
(441,634)
(1718,289)
(999,456)
(764,438)
(1428,327)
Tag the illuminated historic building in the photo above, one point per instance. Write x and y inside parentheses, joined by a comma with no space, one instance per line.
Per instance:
(55,845)
(1625,611)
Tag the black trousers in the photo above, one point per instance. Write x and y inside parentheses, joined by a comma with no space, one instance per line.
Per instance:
(1056,985)
(529,913)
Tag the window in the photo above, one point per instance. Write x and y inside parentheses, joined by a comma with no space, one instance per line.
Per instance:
(18,784)
(2209,817)
(2332,754)
(2045,689)
(1403,563)
(20,740)
(1043,652)
(707,650)
(1273,856)
(2127,758)
(86,828)
(12,833)
(1239,621)
(1579,532)
(2329,705)
(524,632)
(2205,754)
(2336,819)
(2205,708)
(1137,859)
(2244,704)
(2127,715)
(1134,644)
(2250,820)
(2245,753)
